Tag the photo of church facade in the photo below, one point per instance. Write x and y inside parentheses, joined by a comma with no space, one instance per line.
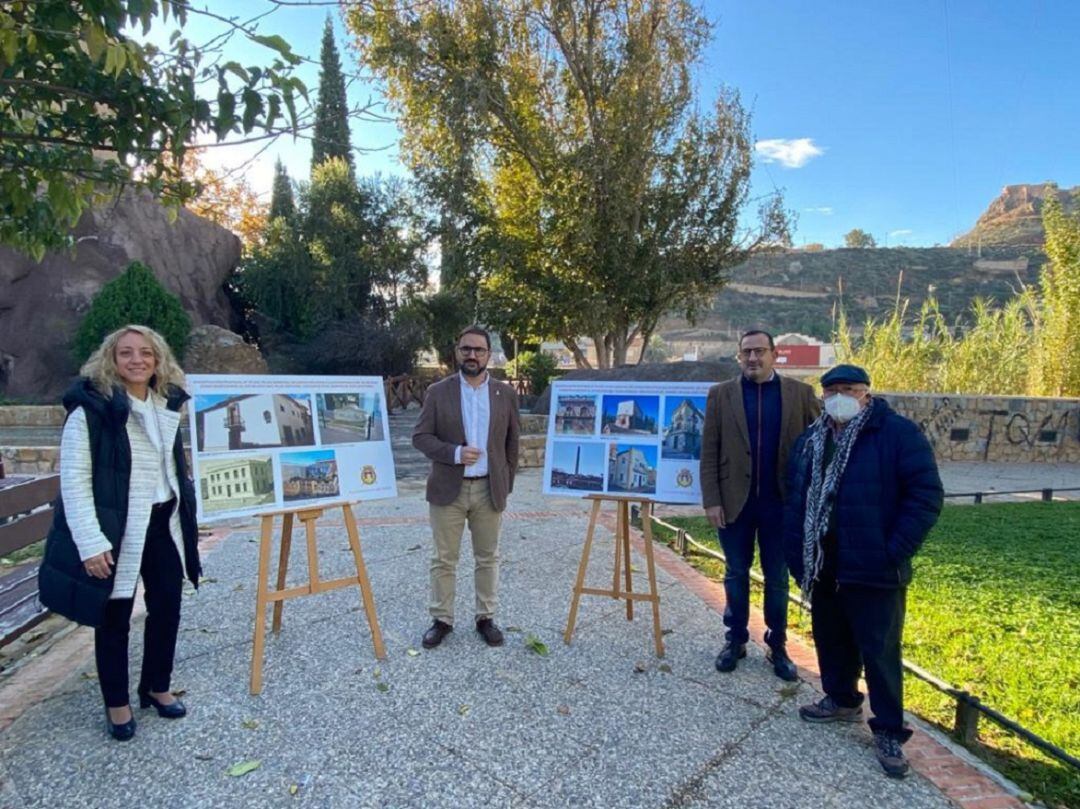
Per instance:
(683,424)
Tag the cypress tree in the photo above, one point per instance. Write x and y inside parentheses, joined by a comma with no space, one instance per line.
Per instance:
(281,196)
(331,135)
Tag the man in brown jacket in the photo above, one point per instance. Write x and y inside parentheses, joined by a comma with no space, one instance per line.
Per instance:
(469,429)
(751,423)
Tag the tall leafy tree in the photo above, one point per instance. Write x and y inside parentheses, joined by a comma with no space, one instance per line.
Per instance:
(859,238)
(282,203)
(331,133)
(562,140)
(87,110)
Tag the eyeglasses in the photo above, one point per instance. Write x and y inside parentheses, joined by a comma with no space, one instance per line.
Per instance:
(746,353)
(465,351)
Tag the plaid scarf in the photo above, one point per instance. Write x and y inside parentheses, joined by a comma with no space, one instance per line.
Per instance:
(824,481)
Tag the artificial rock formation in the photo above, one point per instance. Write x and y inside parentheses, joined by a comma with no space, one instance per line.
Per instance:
(41,305)
(214,350)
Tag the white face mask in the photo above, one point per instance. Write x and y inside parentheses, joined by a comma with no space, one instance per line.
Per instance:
(842,408)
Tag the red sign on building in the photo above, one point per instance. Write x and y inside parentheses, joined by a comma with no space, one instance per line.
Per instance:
(798,356)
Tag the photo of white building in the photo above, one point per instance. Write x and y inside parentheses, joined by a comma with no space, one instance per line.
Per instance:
(235,483)
(254,421)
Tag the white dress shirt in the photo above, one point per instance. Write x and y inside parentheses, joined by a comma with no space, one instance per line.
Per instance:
(476,417)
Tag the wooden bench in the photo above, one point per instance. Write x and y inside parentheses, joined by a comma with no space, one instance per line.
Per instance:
(25,517)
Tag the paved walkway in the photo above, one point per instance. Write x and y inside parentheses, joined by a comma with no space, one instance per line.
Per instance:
(599,723)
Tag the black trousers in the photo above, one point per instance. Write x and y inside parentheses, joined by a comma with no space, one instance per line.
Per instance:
(858,628)
(162,576)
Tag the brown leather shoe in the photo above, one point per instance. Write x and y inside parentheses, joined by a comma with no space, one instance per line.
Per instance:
(491,634)
(434,636)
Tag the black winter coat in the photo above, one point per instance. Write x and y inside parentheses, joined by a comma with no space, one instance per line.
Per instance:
(887,501)
(64,585)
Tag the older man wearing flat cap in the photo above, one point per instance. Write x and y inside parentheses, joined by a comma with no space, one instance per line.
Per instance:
(863,492)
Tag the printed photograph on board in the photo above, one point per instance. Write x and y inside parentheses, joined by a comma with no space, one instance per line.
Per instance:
(684,418)
(630,415)
(242,482)
(577,466)
(575,414)
(346,418)
(309,475)
(253,421)
(632,468)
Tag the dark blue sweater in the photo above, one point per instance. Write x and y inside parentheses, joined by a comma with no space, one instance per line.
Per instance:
(762,405)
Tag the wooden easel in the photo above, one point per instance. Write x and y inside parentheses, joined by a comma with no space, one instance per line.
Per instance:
(307,515)
(622,564)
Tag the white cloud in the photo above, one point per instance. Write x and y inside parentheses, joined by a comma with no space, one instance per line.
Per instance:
(904,232)
(791,153)
(824,210)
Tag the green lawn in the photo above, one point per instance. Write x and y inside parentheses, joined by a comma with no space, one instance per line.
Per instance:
(994,608)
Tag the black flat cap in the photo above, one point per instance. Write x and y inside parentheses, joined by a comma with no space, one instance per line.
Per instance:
(845,374)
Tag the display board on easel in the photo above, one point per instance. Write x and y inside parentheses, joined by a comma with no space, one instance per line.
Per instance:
(626,439)
(267,443)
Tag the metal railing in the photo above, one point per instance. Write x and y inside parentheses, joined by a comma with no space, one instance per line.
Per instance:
(1046,495)
(969,707)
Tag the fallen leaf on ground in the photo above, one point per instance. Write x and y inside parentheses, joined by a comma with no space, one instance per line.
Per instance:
(635,569)
(666,631)
(790,690)
(564,710)
(664,667)
(377,673)
(250,724)
(294,788)
(384,687)
(640,667)
(463,710)
(89,675)
(179,692)
(203,757)
(537,645)
(513,629)
(207,580)
(243,768)
(414,548)
(412,652)
(238,588)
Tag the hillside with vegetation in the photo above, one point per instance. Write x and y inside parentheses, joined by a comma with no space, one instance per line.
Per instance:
(798,290)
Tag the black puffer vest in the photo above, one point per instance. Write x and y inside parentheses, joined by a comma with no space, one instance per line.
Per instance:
(64,585)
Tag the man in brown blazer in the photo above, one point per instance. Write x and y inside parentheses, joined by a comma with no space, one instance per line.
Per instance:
(469,429)
(751,423)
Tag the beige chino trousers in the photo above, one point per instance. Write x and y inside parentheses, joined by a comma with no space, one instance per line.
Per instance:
(473,506)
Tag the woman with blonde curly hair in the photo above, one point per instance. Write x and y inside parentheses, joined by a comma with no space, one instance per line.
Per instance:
(126,509)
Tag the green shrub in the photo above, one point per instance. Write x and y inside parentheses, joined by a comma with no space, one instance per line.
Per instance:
(134,296)
(538,368)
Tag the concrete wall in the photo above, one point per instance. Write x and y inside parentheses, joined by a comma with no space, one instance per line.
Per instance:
(995,428)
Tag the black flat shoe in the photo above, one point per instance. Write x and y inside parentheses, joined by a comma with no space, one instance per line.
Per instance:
(121,732)
(174,710)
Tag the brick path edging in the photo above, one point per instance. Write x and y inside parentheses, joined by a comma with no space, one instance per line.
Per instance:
(961,782)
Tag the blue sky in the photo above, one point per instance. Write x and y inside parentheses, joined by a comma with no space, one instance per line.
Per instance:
(592,457)
(903,119)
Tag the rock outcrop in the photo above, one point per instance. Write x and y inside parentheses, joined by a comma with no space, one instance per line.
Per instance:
(214,350)
(41,305)
(1015,217)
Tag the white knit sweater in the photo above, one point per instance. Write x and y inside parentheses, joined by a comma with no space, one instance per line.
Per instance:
(146,463)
